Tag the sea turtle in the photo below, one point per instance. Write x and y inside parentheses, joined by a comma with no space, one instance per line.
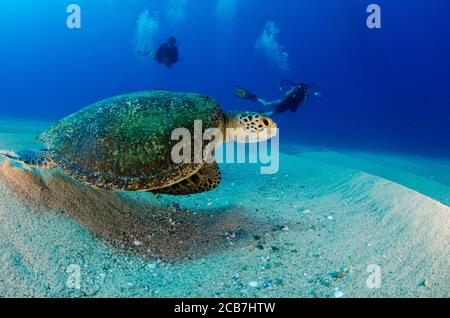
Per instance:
(125,143)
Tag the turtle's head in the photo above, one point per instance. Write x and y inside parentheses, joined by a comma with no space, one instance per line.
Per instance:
(248,127)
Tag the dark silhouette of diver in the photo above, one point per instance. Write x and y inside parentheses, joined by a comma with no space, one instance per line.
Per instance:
(167,53)
(291,101)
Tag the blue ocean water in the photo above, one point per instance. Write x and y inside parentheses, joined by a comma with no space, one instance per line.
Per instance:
(382,89)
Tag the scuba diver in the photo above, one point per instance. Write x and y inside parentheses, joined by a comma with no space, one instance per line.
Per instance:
(167,53)
(291,101)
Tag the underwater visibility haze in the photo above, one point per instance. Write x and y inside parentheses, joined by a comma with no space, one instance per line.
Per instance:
(363,178)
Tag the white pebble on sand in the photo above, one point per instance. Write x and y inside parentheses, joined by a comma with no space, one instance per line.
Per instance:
(338,294)
(253,284)
(330,218)
(152,266)
(137,243)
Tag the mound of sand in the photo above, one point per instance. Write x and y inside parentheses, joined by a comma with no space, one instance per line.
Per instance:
(128,223)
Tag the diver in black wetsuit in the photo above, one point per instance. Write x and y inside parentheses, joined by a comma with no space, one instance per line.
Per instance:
(167,53)
(291,101)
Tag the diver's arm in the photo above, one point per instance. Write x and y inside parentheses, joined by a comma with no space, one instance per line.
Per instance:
(271,105)
(262,102)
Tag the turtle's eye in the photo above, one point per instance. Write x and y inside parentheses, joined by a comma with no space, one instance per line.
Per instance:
(267,123)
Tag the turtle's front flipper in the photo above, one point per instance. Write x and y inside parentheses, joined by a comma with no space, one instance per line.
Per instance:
(38,159)
(207,179)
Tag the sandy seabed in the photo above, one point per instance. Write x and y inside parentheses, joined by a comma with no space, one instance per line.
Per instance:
(312,230)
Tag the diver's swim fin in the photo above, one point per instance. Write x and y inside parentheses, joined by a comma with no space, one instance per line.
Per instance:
(244,94)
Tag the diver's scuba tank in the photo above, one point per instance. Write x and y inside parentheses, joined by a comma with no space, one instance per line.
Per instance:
(317,92)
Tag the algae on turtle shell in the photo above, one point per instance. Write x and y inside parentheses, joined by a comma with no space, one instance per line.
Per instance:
(125,143)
